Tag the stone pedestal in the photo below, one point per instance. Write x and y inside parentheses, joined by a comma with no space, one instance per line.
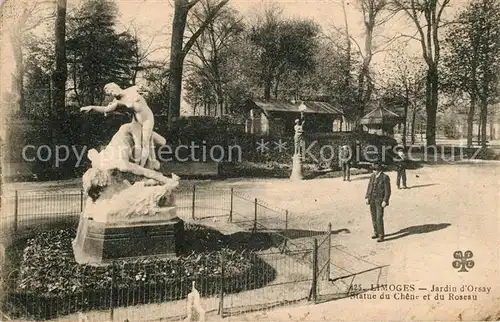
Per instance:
(100,243)
(296,167)
(129,221)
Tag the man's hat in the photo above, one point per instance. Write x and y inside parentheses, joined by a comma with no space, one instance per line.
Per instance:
(377,163)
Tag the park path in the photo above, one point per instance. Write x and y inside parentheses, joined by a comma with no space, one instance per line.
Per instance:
(447,208)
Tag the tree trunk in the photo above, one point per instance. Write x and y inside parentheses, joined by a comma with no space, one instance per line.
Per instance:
(176,59)
(483,121)
(19,88)
(276,86)
(267,89)
(470,119)
(361,99)
(431,105)
(61,68)
(405,116)
(220,103)
(19,70)
(226,105)
(413,119)
(479,131)
(364,94)
(219,96)
(178,50)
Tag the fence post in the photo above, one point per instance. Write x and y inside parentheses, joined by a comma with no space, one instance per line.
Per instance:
(16,209)
(283,250)
(255,215)
(193,202)
(286,222)
(329,251)
(81,200)
(221,294)
(231,206)
(314,286)
(111,305)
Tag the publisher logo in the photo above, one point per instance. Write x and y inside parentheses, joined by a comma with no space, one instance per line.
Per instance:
(463,261)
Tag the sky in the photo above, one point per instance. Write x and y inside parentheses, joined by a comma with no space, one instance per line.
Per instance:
(153,18)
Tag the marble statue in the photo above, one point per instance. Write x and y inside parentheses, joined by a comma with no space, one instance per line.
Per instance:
(131,99)
(129,156)
(108,182)
(299,136)
(130,208)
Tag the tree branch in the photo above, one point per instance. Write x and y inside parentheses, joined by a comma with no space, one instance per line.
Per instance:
(191,4)
(208,20)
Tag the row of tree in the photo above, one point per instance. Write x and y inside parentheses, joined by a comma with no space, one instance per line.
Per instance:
(471,63)
(72,64)
(222,59)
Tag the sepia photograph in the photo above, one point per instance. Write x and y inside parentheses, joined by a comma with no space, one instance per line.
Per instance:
(249,160)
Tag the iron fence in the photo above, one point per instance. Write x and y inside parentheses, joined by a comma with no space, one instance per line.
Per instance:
(273,280)
(293,265)
(284,275)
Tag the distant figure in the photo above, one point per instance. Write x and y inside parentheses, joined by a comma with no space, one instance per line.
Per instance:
(401,169)
(299,137)
(345,157)
(377,196)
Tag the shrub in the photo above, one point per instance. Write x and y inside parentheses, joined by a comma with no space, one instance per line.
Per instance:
(50,283)
(85,131)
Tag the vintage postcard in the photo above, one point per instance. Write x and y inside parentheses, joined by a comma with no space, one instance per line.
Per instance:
(238,160)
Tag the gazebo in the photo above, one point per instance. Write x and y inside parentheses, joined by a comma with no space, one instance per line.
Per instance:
(381,121)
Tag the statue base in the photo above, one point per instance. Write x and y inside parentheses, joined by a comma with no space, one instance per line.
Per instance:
(98,243)
(296,168)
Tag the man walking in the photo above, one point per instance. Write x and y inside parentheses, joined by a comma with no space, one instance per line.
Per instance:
(377,196)
(345,161)
(401,169)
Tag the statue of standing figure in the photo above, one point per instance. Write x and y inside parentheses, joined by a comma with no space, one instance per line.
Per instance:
(130,155)
(299,135)
(130,209)
(142,118)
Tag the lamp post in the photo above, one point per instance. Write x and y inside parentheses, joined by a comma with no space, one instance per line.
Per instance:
(298,145)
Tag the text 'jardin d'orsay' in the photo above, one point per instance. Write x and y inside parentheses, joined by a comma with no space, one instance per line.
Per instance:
(407,292)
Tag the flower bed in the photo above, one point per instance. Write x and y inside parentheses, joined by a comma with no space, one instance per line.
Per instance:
(49,282)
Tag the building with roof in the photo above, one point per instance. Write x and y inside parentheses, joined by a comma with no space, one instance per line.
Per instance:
(380,121)
(278,117)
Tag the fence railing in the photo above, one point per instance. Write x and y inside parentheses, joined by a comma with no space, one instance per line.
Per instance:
(26,209)
(273,280)
(287,271)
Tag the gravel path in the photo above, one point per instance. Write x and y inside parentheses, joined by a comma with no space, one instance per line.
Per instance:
(447,208)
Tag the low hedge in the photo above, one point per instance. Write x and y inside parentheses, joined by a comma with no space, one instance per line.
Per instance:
(83,131)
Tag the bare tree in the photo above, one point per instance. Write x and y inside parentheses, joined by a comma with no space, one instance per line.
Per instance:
(60,74)
(144,47)
(22,17)
(375,13)
(373,17)
(427,16)
(406,77)
(179,49)
(471,62)
(208,54)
